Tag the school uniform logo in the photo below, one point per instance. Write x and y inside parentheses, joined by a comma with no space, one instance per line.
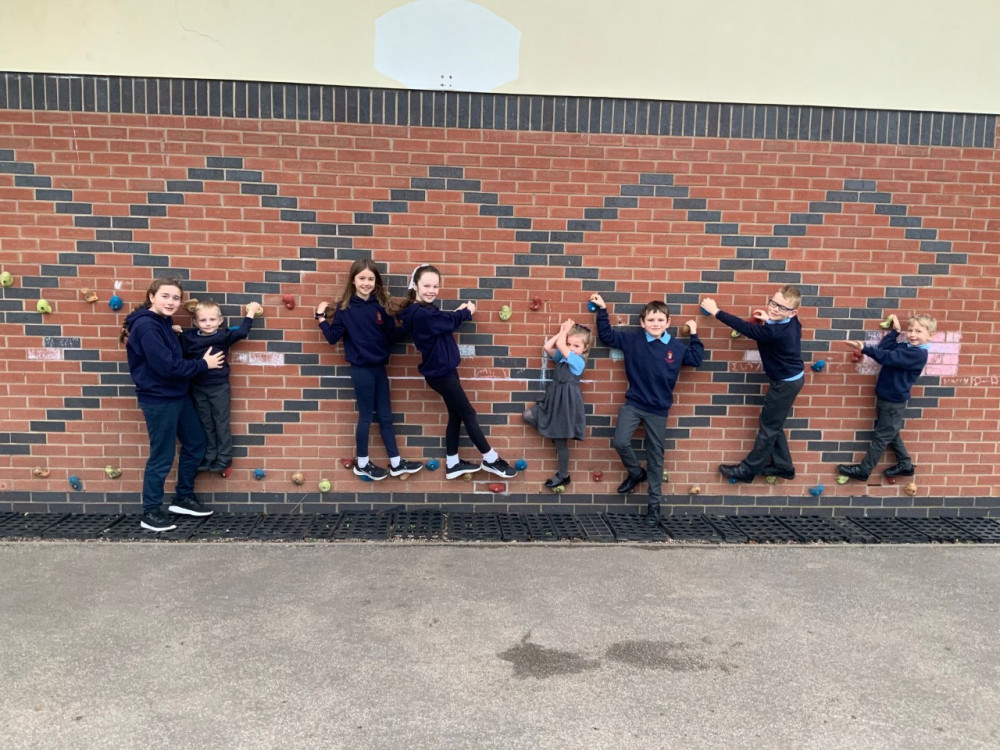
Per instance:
(378,317)
(670,356)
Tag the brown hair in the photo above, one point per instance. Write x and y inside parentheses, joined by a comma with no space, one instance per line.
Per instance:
(655,306)
(153,289)
(363,264)
(411,294)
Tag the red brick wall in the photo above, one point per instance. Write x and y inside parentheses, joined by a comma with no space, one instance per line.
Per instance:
(731,217)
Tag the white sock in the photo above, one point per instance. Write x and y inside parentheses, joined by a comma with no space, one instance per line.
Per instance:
(491,456)
(451,461)
(394,461)
(362,461)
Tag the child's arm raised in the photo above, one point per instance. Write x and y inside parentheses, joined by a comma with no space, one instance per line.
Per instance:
(558,342)
(695,353)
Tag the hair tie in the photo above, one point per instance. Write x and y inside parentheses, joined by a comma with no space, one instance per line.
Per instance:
(413,276)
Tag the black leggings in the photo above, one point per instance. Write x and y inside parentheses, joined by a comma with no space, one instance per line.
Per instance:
(460,412)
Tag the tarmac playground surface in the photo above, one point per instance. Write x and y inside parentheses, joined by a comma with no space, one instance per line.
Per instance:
(423,644)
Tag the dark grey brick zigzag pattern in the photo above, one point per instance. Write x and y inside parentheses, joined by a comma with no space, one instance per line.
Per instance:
(546,248)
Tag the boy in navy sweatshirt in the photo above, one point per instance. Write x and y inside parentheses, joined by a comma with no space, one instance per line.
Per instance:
(902,362)
(210,390)
(653,361)
(778,334)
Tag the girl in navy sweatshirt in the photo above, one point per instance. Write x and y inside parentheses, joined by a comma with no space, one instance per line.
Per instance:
(361,320)
(162,376)
(432,329)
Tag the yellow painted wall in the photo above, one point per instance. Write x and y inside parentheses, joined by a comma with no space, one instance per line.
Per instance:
(888,54)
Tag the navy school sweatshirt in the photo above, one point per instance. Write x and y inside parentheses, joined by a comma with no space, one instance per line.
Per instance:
(366,328)
(651,367)
(432,329)
(901,366)
(194,344)
(780,344)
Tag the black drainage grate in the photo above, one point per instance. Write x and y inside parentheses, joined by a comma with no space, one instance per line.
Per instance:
(359,526)
(474,527)
(890,530)
(282,526)
(30,524)
(540,527)
(128,529)
(595,528)
(690,529)
(815,529)
(631,527)
(82,526)
(730,532)
(938,530)
(512,527)
(764,529)
(984,529)
(229,526)
(418,524)
(323,526)
(566,526)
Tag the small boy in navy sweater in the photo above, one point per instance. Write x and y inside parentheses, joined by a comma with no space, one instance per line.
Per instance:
(210,390)
(902,362)
(653,361)
(778,334)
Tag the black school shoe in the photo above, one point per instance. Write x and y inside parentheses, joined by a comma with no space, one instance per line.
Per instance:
(156,520)
(899,470)
(652,513)
(189,506)
(773,471)
(556,481)
(854,472)
(738,472)
(630,482)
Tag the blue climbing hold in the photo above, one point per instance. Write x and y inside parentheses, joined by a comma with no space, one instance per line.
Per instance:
(433,465)
(75,483)
(818,365)
(366,478)
(817,490)
(592,306)
(520,464)
(115,303)
(259,474)
(704,311)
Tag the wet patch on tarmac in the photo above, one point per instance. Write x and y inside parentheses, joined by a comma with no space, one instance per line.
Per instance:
(532,660)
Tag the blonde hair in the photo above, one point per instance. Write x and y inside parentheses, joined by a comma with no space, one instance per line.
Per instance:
(208,304)
(792,294)
(926,320)
(582,332)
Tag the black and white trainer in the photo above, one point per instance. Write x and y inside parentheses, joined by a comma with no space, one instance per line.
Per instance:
(189,505)
(462,467)
(500,467)
(405,467)
(156,520)
(370,470)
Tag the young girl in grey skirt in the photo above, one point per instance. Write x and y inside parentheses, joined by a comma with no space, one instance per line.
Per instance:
(559,414)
